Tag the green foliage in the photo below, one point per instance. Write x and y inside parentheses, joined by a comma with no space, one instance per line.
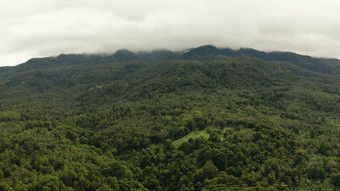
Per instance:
(209,119)
(49,183)
(209,171)
(335,179)
(324,148)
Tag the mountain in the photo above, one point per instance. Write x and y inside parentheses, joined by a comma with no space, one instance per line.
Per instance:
(202,51)
(122,55)
(203,119)
(329,66)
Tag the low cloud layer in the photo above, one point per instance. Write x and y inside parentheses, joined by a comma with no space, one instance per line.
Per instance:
(38,28)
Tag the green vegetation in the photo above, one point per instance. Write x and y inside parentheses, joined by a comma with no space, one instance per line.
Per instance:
(192,135)
(208,119)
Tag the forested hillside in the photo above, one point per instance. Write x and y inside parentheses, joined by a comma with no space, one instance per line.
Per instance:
(203,119)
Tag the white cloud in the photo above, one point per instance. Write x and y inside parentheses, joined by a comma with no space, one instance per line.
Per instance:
(37,28)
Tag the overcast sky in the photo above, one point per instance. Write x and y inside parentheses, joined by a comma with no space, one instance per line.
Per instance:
(39,28)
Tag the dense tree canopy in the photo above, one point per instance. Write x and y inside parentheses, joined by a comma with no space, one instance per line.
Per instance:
(208,119)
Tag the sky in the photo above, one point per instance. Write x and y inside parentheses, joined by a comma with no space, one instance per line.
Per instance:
(41,28)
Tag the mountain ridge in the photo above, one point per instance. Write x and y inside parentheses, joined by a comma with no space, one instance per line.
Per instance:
(126,55)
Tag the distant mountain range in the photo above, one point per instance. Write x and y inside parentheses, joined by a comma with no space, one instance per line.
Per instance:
(323,65)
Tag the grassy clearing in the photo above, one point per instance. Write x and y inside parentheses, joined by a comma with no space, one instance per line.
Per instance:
(197,134)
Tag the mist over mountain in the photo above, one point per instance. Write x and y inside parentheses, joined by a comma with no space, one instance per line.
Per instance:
(323,65)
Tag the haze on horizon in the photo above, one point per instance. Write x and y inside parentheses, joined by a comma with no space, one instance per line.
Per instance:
(39,28)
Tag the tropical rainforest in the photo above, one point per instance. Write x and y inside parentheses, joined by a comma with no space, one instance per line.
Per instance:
(202,119)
